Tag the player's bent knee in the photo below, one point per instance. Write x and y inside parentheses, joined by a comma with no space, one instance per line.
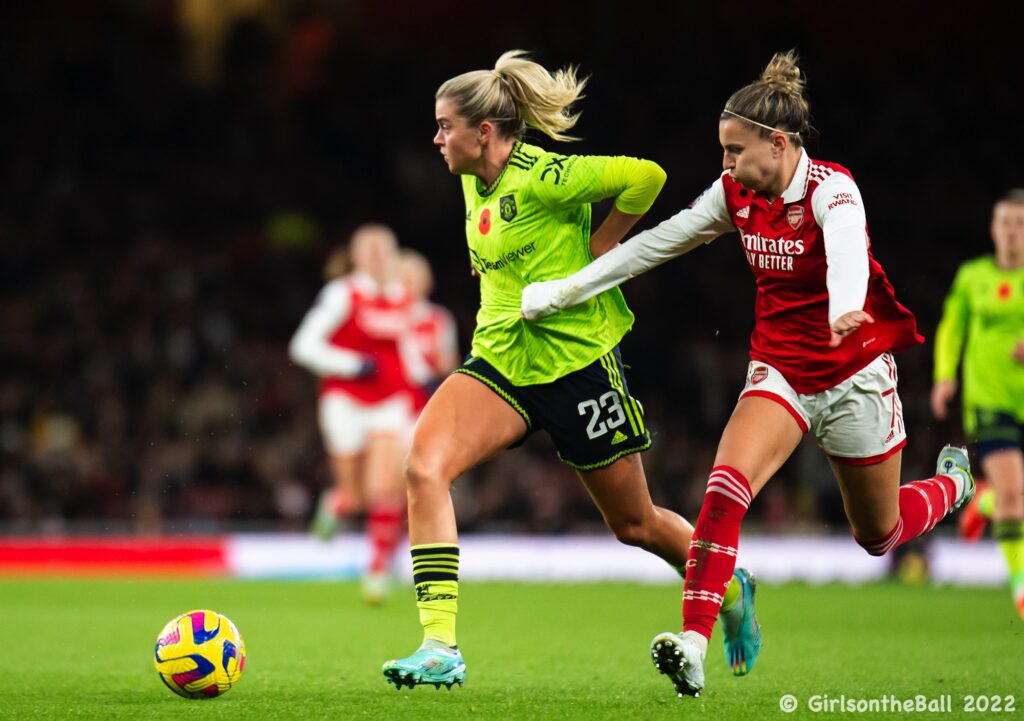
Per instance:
(421,474)
(876,546)
(872,551)
(631,532)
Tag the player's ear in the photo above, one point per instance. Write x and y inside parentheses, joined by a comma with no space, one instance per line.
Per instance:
(779,141)
(486,132)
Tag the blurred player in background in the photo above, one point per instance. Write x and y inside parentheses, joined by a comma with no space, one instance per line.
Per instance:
(432,325)
(984,317)
(357,338)
(528,217)
(827,324)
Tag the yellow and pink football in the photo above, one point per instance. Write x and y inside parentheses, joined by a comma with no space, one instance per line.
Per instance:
(200,654)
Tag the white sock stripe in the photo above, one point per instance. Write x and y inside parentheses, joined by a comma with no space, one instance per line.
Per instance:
(886,543)
(731,488)
(896,533)
(727,480)
(724,480)
(740,483)
(927,501)
(880,547)
(702,595)
(713,488)
(712,546)
(741,486)
(930,523)
(946,503)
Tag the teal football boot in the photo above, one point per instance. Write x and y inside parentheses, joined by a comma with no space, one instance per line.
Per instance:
(434,663)
(741,633)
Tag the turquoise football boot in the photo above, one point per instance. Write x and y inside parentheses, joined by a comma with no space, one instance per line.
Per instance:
(954,461)
(433,663)
(741,633)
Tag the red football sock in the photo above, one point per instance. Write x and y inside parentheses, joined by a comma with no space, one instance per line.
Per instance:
(384,527)
(922,505)
(712,556)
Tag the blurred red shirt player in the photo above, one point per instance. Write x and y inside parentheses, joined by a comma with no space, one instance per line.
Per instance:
(357,338)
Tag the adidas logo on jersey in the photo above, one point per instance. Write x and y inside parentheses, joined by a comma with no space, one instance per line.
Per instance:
(743,212)
(618,438)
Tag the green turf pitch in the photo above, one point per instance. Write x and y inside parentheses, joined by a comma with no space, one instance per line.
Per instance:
(82,649)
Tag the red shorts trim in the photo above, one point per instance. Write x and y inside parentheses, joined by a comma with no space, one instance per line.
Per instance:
(782,402)
(871,460)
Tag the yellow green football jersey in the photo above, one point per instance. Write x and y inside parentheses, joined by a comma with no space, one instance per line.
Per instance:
(985,308)
(533,224)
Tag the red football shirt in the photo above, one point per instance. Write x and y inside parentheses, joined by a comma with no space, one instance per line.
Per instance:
(784,245)
(369,321)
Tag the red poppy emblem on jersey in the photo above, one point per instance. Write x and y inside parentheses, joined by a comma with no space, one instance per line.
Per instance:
(795,216)
(759,374)
(485,222)
(1004,291)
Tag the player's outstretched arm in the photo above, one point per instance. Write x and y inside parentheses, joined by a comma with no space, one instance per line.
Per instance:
(681,233)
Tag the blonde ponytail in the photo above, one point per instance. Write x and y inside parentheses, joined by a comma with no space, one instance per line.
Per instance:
(518,93)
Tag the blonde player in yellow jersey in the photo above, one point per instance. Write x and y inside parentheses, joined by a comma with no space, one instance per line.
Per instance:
(528,218)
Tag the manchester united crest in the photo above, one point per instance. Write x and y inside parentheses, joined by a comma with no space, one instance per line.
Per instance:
(507,207)
(795,216)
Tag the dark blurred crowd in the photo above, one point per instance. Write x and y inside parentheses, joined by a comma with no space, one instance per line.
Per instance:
(176,172)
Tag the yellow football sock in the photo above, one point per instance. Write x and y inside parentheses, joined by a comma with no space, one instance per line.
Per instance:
(987,502)
(1010,537)
(435,573)
(732,594)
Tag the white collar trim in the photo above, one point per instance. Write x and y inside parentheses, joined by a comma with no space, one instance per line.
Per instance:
(798,186)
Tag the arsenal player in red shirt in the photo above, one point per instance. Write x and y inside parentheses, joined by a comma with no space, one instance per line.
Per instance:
(358,339)
(821,356)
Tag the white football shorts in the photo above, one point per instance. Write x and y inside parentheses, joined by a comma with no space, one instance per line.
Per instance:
(347,424)
(858,422)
